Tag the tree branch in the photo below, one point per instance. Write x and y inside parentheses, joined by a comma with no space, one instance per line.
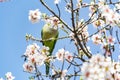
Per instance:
(48,8)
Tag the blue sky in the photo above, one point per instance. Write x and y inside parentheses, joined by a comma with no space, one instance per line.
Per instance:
(14,25)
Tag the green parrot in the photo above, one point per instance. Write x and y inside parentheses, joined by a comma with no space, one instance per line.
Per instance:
(47,33)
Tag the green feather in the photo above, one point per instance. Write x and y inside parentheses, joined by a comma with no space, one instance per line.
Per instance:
(48,33)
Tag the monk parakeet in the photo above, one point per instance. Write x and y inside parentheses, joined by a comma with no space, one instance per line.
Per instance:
(49,32)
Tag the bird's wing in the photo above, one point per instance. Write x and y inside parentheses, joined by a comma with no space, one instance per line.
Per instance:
(49,43)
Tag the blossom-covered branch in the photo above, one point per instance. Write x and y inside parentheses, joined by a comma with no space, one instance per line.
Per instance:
(99,28)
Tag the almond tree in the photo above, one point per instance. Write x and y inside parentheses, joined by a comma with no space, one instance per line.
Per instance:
(99,28)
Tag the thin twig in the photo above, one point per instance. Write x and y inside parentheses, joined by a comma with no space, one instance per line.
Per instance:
(46,6)
(117,37)
(37,72)
(40,40)
(72,15)
(58,10)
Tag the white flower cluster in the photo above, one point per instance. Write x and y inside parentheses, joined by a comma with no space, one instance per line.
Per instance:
(105,42)
(100,68)
(35,16)
(8,76)
(111,16)
(62,54)
(53,22)
(108,16)
(35,57)
(99,39)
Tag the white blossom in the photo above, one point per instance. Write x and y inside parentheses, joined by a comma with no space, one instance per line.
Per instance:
(60,54)
(45,50)
(111,40)
(1,79)
(96,39)
(9,76)
(32,49)
(117,6)
(68,56)
(29,67)
(34,15)
(57,1)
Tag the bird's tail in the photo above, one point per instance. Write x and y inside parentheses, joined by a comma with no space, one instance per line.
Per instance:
(47,68)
